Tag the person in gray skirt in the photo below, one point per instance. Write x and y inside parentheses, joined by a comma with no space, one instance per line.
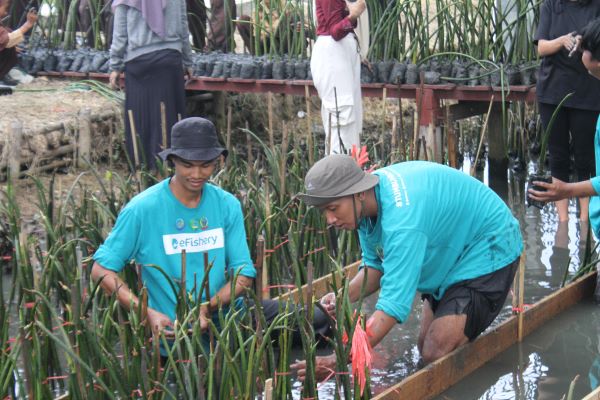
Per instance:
(151,46)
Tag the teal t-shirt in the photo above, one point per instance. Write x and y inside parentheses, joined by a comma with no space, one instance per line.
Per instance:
(595,200)
(153,229)
(436,226)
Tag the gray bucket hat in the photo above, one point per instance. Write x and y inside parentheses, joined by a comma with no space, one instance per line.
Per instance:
(194,139)
(335,176)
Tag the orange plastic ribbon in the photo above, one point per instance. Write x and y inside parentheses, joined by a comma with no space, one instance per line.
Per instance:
(361,355)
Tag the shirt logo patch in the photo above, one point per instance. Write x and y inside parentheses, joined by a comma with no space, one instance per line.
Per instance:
(203,223)
(194,242)
(179,224)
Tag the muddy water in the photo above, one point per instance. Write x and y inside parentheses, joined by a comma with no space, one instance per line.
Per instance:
(544,365)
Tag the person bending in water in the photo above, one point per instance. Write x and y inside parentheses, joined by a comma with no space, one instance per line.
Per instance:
(423,227)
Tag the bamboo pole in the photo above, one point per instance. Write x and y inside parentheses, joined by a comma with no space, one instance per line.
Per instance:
(309,139)
(228,128)
(451,139)
(270,117)
(260,259)
(393,139)
(268,394)
(163,124)
(283,166)
(14,150)
(483,130)
(249,152)
(133,133)
(521,294)
(84,144)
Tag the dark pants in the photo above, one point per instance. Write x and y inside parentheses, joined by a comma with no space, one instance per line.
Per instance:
(575,127)
(149,80)
(481,299)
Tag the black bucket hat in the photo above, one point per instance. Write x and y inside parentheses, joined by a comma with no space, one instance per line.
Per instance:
(335,176)
(194,139)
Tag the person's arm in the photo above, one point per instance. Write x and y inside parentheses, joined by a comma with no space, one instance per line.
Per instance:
(15,37)
(339,30)
(549,47)
(112,283)
(223,296)
(558,190)
(186,48)
(119,40)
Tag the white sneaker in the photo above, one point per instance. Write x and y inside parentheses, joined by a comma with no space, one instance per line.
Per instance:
(20,76)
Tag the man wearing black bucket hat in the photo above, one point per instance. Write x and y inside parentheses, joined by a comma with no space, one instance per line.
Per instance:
(422,227)
(183,212)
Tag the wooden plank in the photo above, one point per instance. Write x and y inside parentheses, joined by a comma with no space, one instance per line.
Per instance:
(448,370)
(595,395)
(321,286)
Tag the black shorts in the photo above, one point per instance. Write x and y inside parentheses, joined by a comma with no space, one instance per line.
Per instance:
(481,299)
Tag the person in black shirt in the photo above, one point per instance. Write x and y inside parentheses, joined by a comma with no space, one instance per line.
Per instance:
(561,73)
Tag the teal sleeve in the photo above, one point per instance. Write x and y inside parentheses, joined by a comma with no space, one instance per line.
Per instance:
(404,255)
(237,254)
(121,245)
(596,184)
(369,255)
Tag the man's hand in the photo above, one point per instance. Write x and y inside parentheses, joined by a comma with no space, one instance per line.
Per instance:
(557,190)
(113,79)
(328,303)
(324,366)
(204,318)
(159,321)
(356,8)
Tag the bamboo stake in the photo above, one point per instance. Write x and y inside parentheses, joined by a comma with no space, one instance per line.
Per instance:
(163,124)
(270,116)
(207,298)
(133,132)
(393,139)
(268,395)
(260,259)
(249,152)
(283,166)
(183,283)
(111,143)
(309,139)
(521,293)
(483,130)
(14,152)
(383,101)
(451,139)
(84,144)
(228,129)
(328,147)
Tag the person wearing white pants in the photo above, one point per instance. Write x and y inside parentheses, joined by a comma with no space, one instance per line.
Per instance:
(335,67)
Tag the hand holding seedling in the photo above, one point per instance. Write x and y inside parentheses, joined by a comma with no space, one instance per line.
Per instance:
(558,190)
(324,366)
(328,303)
(569,41)
(159,321)
(356,8)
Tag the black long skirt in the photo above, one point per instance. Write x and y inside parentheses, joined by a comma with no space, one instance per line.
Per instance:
(149,80)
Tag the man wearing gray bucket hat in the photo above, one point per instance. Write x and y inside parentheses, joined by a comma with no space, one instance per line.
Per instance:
(423,227)
(184,212)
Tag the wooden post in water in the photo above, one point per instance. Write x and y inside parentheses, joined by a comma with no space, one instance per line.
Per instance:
(451,138)
(14,150)
(84,144)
